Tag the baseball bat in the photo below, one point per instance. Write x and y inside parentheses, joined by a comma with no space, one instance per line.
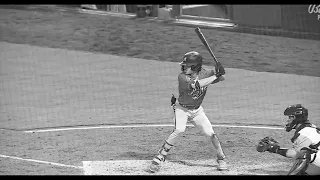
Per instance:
(205,43)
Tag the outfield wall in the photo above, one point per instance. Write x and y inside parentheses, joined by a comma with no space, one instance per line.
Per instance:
(287,17)
(257,15)
(298,17)
(215,11)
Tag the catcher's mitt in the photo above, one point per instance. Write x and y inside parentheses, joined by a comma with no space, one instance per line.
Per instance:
(266,144)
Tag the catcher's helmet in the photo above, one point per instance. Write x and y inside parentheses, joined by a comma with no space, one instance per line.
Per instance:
(192,59)
(296,114)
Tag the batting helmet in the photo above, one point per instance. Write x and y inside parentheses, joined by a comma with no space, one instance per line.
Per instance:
(297,114)
(192,59)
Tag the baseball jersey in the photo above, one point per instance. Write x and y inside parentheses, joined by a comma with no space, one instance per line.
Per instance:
(192,96)
(306,136)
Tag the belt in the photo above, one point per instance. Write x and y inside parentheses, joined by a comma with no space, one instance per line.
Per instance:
(189,107)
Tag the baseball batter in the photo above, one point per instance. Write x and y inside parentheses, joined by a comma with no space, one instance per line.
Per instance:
(306,137)
(193,83)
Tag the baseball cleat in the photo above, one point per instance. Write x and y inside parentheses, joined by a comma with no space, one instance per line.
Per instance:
(222,165)
(156,163)
(154,167)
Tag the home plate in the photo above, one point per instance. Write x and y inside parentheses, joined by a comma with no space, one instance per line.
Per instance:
(185,167)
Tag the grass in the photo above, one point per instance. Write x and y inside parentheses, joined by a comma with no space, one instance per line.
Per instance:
(157,41)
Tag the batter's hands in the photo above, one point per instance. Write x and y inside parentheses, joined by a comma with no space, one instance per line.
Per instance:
(220,69)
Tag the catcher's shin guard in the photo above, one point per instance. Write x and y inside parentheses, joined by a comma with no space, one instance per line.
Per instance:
(299,167)
(302,163)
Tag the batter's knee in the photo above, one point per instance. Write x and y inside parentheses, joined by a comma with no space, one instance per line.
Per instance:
(215,136)
(179,130)
(209,133)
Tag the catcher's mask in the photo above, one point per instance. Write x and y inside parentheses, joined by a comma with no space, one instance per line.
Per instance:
(295,114)
(191,59)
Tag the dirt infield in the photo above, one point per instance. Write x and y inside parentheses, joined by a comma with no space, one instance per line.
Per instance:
(77,79)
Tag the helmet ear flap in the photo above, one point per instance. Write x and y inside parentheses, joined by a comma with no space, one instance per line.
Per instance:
(182,68)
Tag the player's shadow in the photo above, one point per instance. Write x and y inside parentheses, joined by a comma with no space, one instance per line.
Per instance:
(263,171)
(148,156)
(138,156)
(192,164)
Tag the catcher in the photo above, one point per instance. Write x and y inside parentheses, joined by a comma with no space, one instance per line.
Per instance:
(306,141)
(193,83)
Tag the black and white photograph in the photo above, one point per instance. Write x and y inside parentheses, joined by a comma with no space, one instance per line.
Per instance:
(160,89)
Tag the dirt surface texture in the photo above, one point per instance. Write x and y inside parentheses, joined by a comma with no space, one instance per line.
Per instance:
(84,94)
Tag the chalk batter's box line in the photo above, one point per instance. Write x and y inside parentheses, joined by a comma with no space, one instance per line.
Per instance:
(139,126)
